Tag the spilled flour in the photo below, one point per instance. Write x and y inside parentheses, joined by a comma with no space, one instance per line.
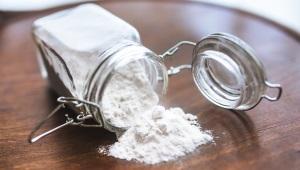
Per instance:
(155,134)
(167,135)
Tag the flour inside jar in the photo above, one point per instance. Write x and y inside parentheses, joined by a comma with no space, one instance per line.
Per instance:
(128,95)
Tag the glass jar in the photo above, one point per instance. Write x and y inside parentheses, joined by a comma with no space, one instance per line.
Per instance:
(79,58)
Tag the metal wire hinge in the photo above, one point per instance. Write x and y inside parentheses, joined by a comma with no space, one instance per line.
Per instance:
(275,86)
(77,121)
(173,70)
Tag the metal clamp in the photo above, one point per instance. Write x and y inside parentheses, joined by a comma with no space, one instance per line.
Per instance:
(171,51)
(276,86)
(175,70)
(77,121)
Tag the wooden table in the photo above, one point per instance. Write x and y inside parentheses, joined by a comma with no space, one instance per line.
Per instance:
(267,137)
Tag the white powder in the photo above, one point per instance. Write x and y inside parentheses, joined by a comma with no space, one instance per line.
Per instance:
(128,94)
(156,134)
(164,135)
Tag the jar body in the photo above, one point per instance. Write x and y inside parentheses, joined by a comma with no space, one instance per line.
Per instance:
(73,43)
(80,64)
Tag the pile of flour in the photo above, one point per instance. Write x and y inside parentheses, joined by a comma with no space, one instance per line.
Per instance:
(155,134)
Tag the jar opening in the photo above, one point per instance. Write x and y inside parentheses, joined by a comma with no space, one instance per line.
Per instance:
(132,74)
(218,77)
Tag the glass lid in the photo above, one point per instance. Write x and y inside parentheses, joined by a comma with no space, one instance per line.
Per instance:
(228,74)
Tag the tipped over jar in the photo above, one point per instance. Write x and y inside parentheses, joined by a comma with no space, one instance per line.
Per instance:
(80,50)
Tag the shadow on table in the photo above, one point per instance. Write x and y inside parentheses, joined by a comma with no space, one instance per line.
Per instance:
(85,138)
(235,134)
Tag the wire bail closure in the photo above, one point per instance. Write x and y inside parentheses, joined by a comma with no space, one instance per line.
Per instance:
(77,121)
(275,86)
(174,70)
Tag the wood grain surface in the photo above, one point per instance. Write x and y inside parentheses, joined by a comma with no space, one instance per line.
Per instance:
(267,137)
